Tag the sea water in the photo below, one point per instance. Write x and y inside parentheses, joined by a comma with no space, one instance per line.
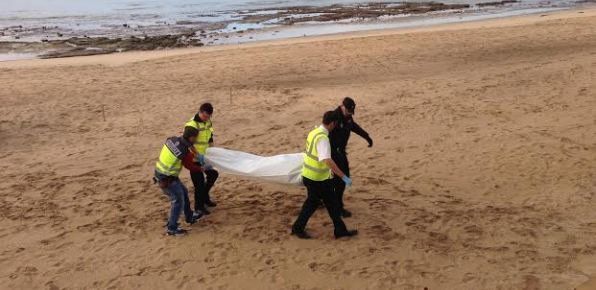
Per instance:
(37,20)
(101,13)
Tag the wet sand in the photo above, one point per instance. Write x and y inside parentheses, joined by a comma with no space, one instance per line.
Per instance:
(482,174)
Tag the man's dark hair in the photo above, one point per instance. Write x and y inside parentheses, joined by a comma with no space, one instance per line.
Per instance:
(190,132)
(207,108)
(330,117)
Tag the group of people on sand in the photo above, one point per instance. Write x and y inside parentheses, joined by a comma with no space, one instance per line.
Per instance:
(325,171)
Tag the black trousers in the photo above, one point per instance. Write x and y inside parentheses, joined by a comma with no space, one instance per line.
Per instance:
(203,182)
(317,191)
(341,159)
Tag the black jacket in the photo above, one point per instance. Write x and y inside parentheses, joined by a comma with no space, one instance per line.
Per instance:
(341,134)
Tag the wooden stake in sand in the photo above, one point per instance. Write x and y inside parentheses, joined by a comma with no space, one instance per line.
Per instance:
(103,112)
(230,95)
(141,123)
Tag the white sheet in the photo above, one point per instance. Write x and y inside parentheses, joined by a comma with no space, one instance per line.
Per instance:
(284,169)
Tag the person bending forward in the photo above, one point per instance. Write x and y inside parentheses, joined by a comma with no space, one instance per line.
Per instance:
(175,153)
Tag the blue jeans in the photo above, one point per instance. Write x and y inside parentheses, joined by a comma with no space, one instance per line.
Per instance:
(178,195)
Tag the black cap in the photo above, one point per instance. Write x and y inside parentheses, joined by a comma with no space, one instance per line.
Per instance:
(349,104)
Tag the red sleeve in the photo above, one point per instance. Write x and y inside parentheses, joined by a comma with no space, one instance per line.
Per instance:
(189,163)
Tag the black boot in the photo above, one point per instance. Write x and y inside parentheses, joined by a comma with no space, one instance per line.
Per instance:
(203,210)
(192,220)
(301,234)
(347,233)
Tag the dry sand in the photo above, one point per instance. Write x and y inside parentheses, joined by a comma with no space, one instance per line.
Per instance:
(482,175)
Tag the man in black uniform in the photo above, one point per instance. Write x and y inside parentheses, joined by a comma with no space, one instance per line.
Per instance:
(339,140)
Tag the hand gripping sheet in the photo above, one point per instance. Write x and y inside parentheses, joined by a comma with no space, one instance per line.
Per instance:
(284,169)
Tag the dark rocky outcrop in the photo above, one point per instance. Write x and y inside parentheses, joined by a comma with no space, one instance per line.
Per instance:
(79,46)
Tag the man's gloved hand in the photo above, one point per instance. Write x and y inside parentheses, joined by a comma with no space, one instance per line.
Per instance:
(200,158)
(370,141)
(347,180)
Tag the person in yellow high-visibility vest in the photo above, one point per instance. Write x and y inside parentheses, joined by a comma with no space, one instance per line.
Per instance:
(203,181)
(317,176)
(176,153)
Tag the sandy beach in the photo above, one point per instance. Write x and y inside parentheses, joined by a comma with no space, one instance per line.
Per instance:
(483,173)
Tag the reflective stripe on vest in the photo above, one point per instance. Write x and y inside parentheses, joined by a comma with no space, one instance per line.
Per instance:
(312,168)
(205,133)
(310,147)
(168,164)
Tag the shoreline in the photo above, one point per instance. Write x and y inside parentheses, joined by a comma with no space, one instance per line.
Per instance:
(120,58)
(254,26)
(210,27)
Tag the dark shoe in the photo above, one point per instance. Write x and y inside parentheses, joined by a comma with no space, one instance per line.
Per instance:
(195,217)
(203,210)
(197,214)
(177,232)
(210,203)
(349,233)
(346,213)
(191,221)
(301,234)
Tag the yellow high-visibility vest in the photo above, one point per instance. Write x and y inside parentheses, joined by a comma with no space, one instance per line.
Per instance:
(312,168)
(168,164)
(205,133)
